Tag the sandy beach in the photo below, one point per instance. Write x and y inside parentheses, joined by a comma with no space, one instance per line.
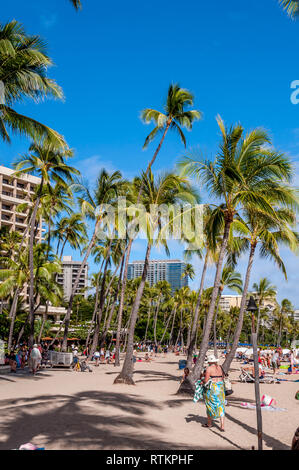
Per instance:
(61,409)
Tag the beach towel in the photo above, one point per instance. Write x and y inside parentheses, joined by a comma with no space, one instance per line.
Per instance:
(251,406)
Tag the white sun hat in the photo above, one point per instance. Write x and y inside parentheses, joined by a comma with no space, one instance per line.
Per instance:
(211,359)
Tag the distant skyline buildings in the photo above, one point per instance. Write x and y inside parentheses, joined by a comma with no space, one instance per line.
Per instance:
(160,270)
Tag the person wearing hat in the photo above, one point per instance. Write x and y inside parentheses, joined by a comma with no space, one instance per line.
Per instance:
(214,393)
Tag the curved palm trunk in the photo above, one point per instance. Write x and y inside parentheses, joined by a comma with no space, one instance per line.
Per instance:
(230,356)
(196,313)
(205,340)
(129,249)
(166,327)
(70,305)
(126,375)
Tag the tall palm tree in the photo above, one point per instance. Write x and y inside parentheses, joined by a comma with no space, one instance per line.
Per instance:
(269,232)
(23,71)
(176,116)
(263,290)
(50,165)
(167,189)
(242,173)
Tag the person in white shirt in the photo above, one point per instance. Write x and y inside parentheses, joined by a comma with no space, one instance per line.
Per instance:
(34,359)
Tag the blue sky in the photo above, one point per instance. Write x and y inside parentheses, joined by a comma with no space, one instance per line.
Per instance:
(113,59)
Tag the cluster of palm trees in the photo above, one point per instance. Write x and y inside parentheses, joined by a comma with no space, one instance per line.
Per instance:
(252,206)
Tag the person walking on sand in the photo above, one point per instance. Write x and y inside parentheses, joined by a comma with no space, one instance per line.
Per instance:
(34,359)
(214,394)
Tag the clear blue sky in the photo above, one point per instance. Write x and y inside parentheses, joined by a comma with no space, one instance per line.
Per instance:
(113,59)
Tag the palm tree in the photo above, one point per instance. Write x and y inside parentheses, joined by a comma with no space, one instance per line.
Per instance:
(188,272)
(242,173)
(107,189)
(15,274)
(175,116)
(49,164)
(290,6)
(233,281)
(23,72)
(167,189)
(263,291)
(72,230)
(268,231)
(282,315)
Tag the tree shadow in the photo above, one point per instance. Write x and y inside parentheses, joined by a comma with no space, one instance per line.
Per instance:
(80,422)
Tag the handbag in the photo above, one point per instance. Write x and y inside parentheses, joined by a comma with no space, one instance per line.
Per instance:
(228,389)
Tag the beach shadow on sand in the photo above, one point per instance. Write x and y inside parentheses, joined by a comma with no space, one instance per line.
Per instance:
(80,422)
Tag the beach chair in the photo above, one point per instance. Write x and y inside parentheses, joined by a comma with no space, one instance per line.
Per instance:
(245,376)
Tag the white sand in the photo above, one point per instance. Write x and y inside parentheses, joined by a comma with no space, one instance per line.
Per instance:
(59,409)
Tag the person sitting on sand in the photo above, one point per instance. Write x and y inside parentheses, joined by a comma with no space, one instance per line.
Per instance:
(147,358)
(185,374)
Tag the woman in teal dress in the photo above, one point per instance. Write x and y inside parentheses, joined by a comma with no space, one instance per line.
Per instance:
(214,394)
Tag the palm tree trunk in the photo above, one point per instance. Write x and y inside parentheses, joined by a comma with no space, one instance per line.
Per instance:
(196,313)
(166,327)
(148,320)
(94,311)
(230,356)
(155,320)
(172,326)
(103,338)
(31,269)
(121,307)
(126,375)
(45,317)
(12,315)
(215,325)
(205,340)
(70,305)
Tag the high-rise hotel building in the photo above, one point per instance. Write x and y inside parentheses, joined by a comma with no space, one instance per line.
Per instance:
(67,277)
(160,270)
(13,192)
